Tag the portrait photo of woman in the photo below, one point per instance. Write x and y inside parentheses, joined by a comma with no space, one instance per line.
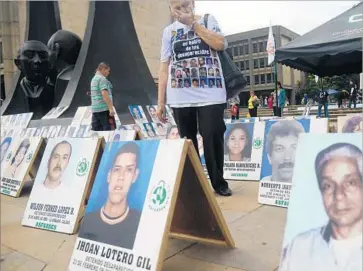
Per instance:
(353,125)
(237,143)
(18,159)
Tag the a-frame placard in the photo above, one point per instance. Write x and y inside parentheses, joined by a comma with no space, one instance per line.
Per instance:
(145,192)
(197,216)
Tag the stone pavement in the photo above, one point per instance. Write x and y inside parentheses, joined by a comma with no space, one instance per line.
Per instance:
(256,229)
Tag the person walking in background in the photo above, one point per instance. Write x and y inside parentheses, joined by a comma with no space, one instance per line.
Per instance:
(253,103)
(281,96)
(270,101)
(323,101)
(234,104)
(265,103)
(305,98)
(274,105)
(353,95)
(196,105)
(103,114)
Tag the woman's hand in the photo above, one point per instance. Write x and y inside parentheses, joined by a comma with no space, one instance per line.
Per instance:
(160,112)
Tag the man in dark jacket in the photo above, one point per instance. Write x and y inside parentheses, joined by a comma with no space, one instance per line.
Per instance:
(353,94)
(323,101)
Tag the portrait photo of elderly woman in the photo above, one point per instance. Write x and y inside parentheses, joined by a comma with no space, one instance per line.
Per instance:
(238,143)
(353,125)
(17,159)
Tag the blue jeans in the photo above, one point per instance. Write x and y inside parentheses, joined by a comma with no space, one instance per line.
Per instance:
(325,109)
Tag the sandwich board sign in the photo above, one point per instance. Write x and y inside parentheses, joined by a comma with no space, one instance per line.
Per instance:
(22,165)
(134,194)
(61,184)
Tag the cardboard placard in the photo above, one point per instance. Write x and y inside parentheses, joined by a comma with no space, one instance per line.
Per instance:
(279,152)
(16,171)
(55,112)
(133,195)
(61,184)
(350,124)
(243,144)
(324,219)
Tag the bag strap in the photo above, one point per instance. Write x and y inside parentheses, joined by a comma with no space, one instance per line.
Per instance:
(206,16)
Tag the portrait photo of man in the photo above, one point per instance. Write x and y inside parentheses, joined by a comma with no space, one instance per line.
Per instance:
(136,113)
(57,164)
(280,146)
(337,243)
(116,223)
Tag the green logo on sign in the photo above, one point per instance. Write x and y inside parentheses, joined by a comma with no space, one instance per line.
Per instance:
(82,167)
(159,196)
(257,143)
(8,157)
(29,157)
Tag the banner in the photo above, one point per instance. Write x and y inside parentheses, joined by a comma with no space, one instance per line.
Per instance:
(243,144)
(281,140)
(15,173)
(324,218)
(130,199)
(138,114)
(350,124)
(61,184)
(55,112)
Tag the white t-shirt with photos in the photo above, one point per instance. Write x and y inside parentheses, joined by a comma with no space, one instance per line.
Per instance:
(195,75)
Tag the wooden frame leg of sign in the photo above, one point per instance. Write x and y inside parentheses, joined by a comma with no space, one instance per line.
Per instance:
(194,213)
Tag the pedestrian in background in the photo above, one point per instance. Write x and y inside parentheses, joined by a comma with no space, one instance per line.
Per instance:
(103,114)
(353,95)
(234,102)
(253,103)
(281,96)
(323,101)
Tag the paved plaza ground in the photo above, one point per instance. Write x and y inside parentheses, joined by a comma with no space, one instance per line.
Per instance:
(256,229)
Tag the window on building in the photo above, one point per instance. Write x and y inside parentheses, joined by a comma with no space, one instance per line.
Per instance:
(247,49)
(255,63)
(265,45)
(268,78)
(262,62)
(260,45)
(257,79)
(242,65)
(248,80)
(237,64)
(1,53)
(255,48)
(262,78)
(235,51)
(241,51)
(247,65)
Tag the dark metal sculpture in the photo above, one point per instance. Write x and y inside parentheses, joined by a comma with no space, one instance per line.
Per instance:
(42,21)
(64,47)
(110,36)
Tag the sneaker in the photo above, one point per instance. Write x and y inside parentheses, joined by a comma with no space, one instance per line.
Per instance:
(224,191)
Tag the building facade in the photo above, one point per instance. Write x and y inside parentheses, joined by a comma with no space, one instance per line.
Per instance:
(74,18)
(248,50)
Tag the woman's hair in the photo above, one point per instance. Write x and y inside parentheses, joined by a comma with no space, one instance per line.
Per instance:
(246,152)
(279,84)
(24,144)
(351,123)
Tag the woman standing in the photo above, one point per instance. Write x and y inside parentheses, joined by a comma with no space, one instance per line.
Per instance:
(281,94)
(253,103)
(203,104)
(270,101)
(237,144)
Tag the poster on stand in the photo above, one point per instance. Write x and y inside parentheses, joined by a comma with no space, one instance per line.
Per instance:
(61,184)
(123,135)
(5,149)
(145,196)
(350,124)
(243,145)
(279,153)
(154,118)
(326,201)
(149,130)
(138,114)
(172,132)
(15,173)
(201,153)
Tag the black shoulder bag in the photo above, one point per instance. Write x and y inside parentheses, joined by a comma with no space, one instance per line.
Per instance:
(233,78)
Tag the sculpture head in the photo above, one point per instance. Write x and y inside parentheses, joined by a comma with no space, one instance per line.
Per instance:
(33,60)
(65,46)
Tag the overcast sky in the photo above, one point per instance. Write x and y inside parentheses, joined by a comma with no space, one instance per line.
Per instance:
(298,16)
